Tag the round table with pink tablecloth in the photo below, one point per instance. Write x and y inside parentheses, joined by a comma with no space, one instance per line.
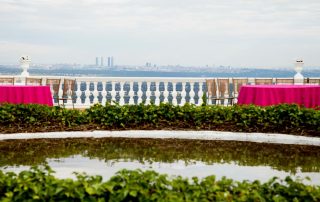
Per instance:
(26,95)
(265,95)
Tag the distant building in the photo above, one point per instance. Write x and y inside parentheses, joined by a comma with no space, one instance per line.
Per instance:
(97,61)
(110,61)
(148,64)
(101,64)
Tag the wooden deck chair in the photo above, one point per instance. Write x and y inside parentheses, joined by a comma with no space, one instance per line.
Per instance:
(211,90)
(55,88)
(237,83)
(7,81)
(33,82)
(311,81)
(284,81)
(219,92)
(68,91)
(224,93)
(263,81)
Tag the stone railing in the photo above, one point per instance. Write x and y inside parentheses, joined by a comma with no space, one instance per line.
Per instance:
(133,90)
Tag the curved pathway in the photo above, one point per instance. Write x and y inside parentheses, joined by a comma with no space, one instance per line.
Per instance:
(199,135)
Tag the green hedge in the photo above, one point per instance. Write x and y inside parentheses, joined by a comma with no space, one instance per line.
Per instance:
(40,185)
(281,118)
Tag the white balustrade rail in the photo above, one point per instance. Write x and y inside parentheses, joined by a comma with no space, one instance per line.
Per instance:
(135,90)
(132,90)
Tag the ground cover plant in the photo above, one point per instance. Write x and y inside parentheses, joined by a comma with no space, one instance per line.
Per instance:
(41,185)
(290,119)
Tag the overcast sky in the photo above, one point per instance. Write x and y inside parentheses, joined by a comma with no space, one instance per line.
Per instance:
(271,33)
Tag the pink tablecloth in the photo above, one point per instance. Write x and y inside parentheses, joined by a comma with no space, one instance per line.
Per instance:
(264,95)
(26,95)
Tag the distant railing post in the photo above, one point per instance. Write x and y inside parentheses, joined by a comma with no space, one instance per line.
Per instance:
(148,92)
(87,94)
(78,93)
(113,91)
(174,93)
(95,92)
(121,93)
(191,93)
(165,92)
(131,93)
(157,93)
(183,93)
(200,93)
(139,92)
(104,93)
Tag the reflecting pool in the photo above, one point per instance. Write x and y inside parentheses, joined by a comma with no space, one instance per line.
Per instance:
(188,158)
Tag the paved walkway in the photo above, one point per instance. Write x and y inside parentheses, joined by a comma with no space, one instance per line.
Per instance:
(199,135)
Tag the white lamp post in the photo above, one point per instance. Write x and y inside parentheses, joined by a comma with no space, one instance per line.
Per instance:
(24,64)
(298,77)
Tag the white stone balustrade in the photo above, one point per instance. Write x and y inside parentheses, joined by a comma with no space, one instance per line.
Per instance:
(133,90)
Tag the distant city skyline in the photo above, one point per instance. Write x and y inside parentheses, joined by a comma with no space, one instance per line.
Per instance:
(237,33)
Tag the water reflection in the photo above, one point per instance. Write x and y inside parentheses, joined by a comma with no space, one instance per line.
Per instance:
(237,160)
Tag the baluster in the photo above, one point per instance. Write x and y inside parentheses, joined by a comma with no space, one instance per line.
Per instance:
(104,93)
(78,93)
(140,93)
(121,93)
(87,93)
(95,92)
(113,91)
(183,93)
(200,93)
(192,93)
(157,93)
(165,92)
(174,93)
(148,93)
(131,94)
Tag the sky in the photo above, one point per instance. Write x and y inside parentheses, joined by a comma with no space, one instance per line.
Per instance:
(244,33)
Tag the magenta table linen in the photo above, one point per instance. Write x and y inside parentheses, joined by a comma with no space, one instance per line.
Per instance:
(26,95)
(265,95)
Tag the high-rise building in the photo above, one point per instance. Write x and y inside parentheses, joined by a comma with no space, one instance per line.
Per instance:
(97,61)
(101,64)
(112,61)
(109,61)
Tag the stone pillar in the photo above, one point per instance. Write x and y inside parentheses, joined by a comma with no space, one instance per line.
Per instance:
(24,64)
(298,77)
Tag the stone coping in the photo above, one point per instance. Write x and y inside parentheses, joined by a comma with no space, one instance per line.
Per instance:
(173,134)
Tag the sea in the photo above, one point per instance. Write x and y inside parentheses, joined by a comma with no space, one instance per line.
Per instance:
(104,72)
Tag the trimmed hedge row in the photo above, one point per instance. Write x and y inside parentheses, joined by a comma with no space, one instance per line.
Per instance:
(280,119)
(40,185)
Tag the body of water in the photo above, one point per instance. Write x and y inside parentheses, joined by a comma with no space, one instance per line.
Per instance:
(106,72)
(187,158)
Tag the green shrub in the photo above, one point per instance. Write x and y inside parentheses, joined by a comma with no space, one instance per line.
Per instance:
(280,119)
(40,185)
